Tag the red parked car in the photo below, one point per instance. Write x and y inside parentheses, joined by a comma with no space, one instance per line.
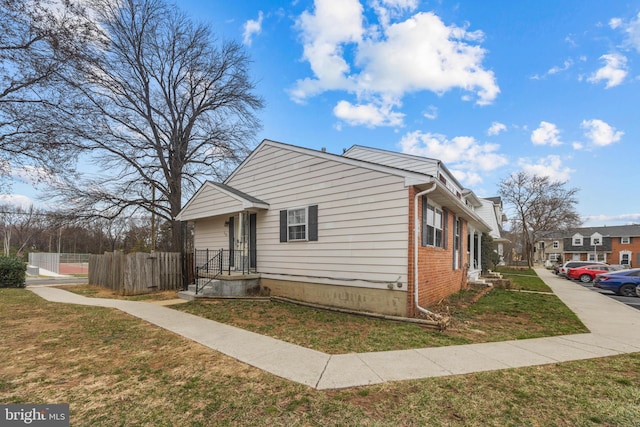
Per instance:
(587,273)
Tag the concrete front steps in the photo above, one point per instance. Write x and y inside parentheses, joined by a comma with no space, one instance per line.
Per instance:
(492,278)
(246,285)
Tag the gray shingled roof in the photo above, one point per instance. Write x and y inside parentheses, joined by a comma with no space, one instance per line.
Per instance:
(238,193)
(608,231)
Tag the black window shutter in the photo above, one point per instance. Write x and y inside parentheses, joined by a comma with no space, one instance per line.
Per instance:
(283,226)
(455,243)
(423,223)
(313,223)
(445,229)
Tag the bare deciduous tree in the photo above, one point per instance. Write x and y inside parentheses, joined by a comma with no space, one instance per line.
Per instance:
(160,106)
(19,225)
(541,205)
(38,40)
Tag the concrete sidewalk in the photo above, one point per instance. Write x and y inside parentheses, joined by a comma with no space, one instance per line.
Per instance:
(614,330)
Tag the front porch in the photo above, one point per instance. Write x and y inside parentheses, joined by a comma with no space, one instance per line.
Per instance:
(223,273)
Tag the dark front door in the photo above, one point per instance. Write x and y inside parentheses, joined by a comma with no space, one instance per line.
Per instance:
(232,241)
(252,241)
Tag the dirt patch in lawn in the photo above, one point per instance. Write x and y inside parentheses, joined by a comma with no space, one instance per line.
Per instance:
(94,291)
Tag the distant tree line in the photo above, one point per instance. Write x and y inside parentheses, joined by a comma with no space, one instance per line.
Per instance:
(32,230)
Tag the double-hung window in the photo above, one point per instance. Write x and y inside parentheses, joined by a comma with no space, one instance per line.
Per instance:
(297,224)
(431,225)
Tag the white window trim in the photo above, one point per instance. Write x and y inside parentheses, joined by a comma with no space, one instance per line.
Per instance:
(457,242)
(628,254)
(305,224)
(436,211)
(556,244)
(625,240)
(577,240)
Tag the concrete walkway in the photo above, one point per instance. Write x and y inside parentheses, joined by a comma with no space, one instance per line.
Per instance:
(615,329)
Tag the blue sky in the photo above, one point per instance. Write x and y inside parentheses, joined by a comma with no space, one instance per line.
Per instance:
(488,87)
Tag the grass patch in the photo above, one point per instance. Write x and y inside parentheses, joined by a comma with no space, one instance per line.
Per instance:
(497,316)
(321,330)
(526,280)
(114,369)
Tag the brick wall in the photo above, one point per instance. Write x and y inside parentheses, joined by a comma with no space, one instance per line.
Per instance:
(436,277)
(617,248)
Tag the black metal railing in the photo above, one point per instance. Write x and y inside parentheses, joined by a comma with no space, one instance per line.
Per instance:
(211,264)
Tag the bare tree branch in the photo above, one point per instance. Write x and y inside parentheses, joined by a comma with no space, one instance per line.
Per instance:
(540,204)
(160,107)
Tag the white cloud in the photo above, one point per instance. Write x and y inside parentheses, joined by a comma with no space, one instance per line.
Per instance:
(431,113)
(389,9)
(389,60)
(554,70)
(614,71)
(422,53)
(550,166)
(496,128)
(631,30)
(334,23)
(251,28)
(546,134)
(469,178)
(565,66)
(462,153)
(577,145)
(16,200)
(625,219)
(367,114)
(615,23)
(600,133)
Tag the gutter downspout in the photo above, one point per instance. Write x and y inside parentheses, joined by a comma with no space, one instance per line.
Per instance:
(416,230)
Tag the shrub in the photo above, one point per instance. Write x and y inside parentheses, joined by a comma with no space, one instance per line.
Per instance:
(12,272)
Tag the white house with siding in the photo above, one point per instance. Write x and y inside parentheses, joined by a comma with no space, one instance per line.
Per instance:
(369,230)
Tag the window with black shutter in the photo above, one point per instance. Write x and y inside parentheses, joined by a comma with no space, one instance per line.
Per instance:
(299,224)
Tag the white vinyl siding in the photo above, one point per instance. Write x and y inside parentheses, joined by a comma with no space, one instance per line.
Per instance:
(211,202)
(211,233)
(362,217)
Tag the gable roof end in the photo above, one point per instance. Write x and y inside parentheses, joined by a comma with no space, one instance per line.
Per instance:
(239,201)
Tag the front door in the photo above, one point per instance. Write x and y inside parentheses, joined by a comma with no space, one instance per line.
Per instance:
(242,242)
(252,241)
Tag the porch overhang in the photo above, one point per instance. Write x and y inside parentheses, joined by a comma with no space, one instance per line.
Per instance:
(215,199)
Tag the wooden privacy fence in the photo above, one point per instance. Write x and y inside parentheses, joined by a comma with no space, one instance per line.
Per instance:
(136,273)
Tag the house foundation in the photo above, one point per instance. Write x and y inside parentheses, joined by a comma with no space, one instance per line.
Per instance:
(382,301)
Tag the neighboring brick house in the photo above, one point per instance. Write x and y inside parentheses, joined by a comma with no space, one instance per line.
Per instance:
(611,244)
